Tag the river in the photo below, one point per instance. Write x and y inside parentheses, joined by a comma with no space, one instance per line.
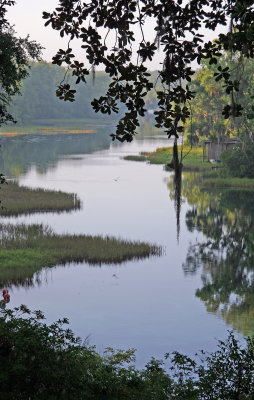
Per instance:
(154,305)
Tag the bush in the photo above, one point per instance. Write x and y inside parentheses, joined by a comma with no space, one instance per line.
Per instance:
(239,161)
(40,362)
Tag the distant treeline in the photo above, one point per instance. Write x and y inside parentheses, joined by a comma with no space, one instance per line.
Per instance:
(39,102)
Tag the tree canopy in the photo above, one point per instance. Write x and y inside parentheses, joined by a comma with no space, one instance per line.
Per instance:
(177,33)
(38,101)
(15,56)
(206,118)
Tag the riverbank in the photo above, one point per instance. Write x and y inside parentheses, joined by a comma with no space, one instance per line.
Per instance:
(192,158)
(212,175)
(56,126)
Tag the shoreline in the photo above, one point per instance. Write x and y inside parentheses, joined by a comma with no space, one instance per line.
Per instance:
(193,162)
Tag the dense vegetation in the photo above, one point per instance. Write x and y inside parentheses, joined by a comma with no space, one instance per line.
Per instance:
(239,161)
(38,362)
(207,122)
(16,55)
(39,104)
(39,101)
(206,119)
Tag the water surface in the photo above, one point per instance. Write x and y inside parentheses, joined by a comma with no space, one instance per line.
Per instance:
(153,305)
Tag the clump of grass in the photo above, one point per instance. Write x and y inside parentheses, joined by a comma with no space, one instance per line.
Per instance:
(17,200)
(26,249)
(136,158)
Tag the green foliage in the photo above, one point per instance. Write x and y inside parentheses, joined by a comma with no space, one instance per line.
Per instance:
(192,158)
(239,161)
(206,118)
(40,361)
(39,101)
(16,54)
(177,32)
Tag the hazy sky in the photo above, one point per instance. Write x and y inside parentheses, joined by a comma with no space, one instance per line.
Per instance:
(26,15)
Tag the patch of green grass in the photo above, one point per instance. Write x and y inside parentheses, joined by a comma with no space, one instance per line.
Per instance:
(26,249)
(16,200)
(192,158)
(136,158)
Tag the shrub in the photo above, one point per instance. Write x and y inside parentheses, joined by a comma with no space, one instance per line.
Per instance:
(239,161)
(40,362)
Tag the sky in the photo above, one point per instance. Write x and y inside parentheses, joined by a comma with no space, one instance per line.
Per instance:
(26,15)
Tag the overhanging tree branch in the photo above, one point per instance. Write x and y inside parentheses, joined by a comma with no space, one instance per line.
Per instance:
(177,34)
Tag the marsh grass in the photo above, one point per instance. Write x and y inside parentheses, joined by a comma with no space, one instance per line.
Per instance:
(17,200)
(26,249)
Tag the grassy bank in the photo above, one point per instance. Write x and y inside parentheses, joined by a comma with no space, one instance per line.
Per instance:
(193,161)
(26,249)
(17,200)
(192,158)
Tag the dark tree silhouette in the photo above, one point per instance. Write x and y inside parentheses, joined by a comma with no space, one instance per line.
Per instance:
(177,33)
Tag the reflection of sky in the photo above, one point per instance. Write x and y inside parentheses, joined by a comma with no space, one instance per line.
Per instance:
(150,305)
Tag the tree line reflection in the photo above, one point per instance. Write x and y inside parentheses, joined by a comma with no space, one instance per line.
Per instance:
(18,153)
(225,254)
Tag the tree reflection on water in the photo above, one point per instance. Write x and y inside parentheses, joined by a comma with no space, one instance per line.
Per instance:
(226,254)
(43,151)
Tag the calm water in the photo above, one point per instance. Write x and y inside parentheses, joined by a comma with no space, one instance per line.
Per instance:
(184,300)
